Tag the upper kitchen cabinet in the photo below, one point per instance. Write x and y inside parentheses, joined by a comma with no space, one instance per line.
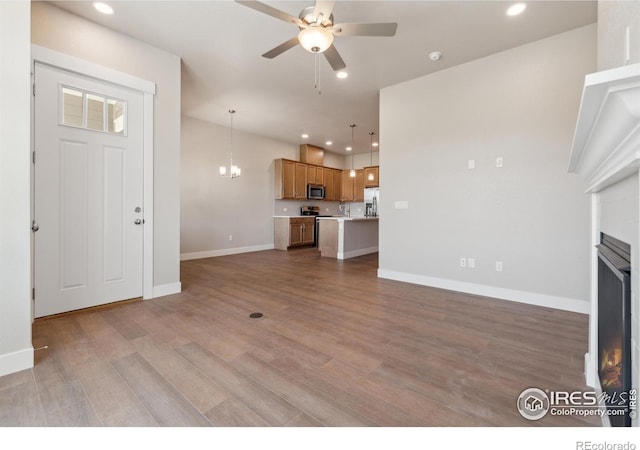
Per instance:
(290,180)
(311,154)
(371,176)
(358,194)
(315,175)
(332,184)
(352,187)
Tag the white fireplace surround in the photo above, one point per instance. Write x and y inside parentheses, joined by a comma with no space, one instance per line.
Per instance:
(605,151)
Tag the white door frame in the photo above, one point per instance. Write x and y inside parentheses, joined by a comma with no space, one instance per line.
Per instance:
(79,66)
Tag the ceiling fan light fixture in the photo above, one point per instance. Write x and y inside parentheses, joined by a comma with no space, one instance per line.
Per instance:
(315,39)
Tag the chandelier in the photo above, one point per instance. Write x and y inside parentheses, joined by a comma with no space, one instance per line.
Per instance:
(232,171)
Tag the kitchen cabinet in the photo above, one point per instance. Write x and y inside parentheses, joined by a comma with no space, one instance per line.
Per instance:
(374,171)
(311,154)
(294,232)
(332,184)
(290,180)
(358,194)
(315,175)
(352,187)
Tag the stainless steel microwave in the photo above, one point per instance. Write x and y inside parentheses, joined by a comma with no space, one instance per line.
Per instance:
(315,192)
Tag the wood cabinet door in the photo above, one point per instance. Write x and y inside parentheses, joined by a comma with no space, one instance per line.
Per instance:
(301,181)
(288,179)
(337,184)
(295,234)
(347,187)
(373,173)
(320,175)
(358,193)
(308,232)
(328,184)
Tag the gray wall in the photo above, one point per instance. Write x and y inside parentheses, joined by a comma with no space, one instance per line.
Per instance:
(16,352)
(531,214)
(214,207)
(613,19)
(66,33)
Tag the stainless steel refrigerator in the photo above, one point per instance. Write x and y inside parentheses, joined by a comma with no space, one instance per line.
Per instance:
(371,200)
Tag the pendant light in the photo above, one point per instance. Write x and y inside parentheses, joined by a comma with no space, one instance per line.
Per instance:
(352,172)
(371,177)
(233,171)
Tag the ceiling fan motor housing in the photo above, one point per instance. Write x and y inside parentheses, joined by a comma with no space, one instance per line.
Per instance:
(307,16)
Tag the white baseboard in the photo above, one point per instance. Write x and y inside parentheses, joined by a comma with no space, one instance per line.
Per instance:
(359,252)
(531,298)
(16,361)
(225,252)
(167,289)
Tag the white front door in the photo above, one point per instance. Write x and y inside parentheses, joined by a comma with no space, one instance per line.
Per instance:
(88,192)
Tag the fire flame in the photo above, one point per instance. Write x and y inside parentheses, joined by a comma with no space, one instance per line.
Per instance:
(611,368)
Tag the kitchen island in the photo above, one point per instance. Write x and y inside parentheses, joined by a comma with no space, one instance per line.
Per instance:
(347,237)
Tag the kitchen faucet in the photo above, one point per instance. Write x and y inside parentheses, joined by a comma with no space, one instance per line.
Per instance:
(348,209)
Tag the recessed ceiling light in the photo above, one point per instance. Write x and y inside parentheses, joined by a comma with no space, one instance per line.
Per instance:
(103,8)
(375,144)
(348,149)
(305,136)
(328,142)
(342,74)
(516,9)
(435,56)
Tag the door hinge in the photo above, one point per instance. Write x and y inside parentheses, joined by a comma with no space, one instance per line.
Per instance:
(33,293)
(33,157)
(34,89)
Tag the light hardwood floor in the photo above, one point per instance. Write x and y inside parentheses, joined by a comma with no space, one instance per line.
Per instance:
(336,347)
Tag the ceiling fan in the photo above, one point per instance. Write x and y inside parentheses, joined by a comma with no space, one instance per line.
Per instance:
(317,30)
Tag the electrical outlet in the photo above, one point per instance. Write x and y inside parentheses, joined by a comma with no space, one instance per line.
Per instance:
(231,237)
(498,266)
(463,262)
(471,263)
(471,164)
(284,209)
(499,161)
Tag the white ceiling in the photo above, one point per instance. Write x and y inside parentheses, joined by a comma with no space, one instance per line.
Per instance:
(220,43)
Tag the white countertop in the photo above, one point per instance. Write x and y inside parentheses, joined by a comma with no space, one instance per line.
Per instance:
(349,219)
(343,218)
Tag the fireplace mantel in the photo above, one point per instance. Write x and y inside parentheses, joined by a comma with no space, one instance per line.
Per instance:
(606,144)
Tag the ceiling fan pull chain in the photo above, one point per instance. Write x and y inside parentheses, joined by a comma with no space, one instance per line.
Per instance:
(317,73)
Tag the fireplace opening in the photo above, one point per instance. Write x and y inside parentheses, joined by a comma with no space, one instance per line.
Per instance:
(614,326)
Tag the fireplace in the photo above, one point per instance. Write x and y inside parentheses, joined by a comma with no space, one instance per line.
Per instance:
(614,325)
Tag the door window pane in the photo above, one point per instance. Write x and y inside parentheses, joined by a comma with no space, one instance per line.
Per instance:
(72,107)
(116,116)
(95,112)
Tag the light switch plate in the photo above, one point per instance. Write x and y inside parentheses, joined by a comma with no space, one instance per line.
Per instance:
(402,204)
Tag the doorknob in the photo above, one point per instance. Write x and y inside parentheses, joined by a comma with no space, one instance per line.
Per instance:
(34,226)
(138,221)
(137,209)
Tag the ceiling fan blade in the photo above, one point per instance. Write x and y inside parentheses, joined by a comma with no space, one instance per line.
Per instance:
(364,29)
(324,9)
(266,9)
(281,48)
(335,60)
